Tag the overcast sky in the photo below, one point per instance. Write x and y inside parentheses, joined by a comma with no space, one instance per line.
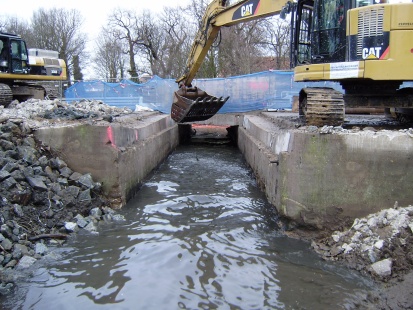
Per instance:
(94,12)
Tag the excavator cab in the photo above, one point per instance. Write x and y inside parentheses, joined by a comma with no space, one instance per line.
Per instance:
(13,55)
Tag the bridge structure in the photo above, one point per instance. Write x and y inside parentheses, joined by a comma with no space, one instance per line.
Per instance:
(319,177)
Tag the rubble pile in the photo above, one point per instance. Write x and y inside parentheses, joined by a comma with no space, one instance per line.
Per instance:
(57,109)
(380,244)
(339,130)
(42,201)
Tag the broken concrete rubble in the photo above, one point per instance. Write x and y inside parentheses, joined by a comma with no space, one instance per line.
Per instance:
(380,244)
(41,198)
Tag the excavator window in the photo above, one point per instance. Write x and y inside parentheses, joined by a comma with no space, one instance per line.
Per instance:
(304,34)
(4,55)
(301,20)
(19,56)
(329,32)
(3,49)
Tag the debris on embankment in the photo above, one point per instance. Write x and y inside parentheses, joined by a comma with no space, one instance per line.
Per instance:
(380,244)
(42,200)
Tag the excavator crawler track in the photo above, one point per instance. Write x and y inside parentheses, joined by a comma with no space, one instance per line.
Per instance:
(6,95)
(322,106)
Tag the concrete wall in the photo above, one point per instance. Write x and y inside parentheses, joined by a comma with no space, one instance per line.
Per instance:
(119,155)
(323,180)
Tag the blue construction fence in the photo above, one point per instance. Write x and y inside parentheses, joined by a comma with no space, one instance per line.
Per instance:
(258,91)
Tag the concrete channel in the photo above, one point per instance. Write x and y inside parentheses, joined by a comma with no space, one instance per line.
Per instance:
(317,178)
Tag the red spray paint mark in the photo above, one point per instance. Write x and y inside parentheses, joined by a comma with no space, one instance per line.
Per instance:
(110,136)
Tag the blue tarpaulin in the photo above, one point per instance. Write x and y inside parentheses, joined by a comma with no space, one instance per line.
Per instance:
(258,91)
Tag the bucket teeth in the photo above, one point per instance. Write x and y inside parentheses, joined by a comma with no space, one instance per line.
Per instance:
(194,104)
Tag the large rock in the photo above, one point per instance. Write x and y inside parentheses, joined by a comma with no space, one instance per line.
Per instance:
(27,153)
(41,248)
(382,268)
(4,175)
(25,262)
(37,183)
(69,195)
(86,180)
(71,227)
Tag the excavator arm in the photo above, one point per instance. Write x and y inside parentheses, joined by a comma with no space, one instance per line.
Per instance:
(190,103)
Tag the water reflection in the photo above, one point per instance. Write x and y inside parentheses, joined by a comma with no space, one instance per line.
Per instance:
(199,235)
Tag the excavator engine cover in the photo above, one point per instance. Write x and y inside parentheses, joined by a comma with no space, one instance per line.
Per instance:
(193,104)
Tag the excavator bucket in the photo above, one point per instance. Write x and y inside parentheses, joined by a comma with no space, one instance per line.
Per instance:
(194,104)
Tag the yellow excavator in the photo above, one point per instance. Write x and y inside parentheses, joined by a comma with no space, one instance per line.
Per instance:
(24,73)
(365,46)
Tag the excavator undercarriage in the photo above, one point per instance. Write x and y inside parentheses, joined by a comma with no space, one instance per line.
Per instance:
(21,91)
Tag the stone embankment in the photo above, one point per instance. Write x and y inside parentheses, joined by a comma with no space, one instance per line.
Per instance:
(42,200)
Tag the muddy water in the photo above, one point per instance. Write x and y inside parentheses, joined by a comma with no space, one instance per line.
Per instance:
(199,235)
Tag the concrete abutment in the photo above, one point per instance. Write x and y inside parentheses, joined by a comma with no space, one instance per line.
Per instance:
(119,155)
(313,178)
(325,178)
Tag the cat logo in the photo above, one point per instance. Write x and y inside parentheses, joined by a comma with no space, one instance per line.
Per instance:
(246,10)
(249,8)
(371,53)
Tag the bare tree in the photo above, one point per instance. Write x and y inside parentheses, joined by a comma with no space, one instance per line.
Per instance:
(165,42)
(197,9)
(150,40)
(108,62)
(277,41)
(16,26)
(236,50)
(239,48)
(59,30)
(125,23)
(158,43)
